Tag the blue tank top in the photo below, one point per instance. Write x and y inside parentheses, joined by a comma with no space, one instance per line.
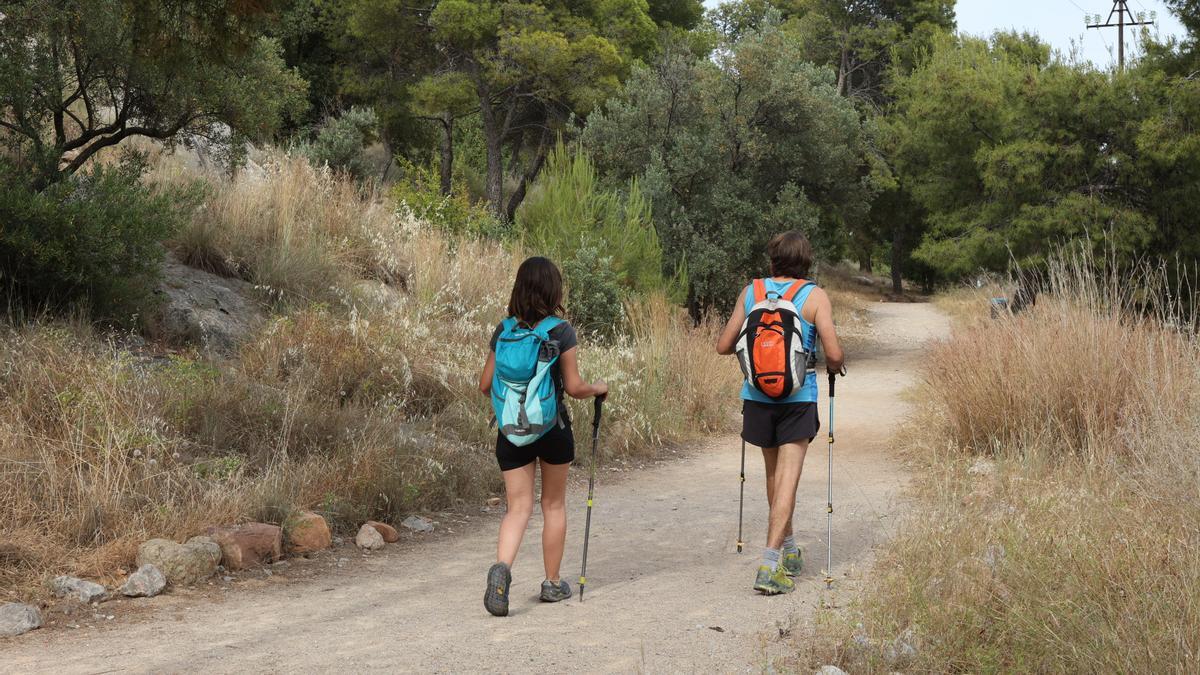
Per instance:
(807,393)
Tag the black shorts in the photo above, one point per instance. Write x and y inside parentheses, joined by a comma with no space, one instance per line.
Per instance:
(556,447)
(770,425)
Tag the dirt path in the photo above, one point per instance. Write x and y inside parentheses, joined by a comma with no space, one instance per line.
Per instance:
(663,577)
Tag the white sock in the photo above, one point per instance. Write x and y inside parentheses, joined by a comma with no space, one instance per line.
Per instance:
(789,545)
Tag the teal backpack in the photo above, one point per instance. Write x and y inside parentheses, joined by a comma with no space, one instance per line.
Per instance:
(523,394)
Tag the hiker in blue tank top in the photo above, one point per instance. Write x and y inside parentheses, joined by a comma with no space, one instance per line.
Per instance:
(774,331)
(534,360)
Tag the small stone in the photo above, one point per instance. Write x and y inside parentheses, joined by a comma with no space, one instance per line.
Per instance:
(982,467)
(418,524)
(16,619)
(389,533)
(493,501)
(829,670)
(147,582)
(84,591)
(307,532)
(369,538)
(902,648)
(227,579)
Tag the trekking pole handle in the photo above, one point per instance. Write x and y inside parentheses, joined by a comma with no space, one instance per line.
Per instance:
(597,408)
(833,379)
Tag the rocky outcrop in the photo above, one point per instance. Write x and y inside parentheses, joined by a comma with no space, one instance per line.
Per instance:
(81,589)
(389,533)
(16,619)
(368,538)
(307,532)
(147,582)
(182,564)
(248,545)
(204,309)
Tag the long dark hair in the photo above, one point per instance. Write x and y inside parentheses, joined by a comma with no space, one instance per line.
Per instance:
(538,291)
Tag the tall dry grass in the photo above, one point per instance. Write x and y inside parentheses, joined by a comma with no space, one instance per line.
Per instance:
(362,405)
(299,232)
(1078,550)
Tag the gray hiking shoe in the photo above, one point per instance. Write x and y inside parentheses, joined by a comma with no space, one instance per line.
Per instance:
(496,597)
(552,592)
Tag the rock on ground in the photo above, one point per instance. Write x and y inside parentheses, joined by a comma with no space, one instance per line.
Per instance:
(982,467)
(182,564)
(307,532)
(368,538)
(389,533)
(16,619)
(829,670)
(247,545)
(147,582)
(204,309)
(418,524)
(85,591)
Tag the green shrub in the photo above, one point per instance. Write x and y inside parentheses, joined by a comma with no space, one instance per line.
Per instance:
(594,300)
(569,211)
(419,192)
(93,238)
(341,141)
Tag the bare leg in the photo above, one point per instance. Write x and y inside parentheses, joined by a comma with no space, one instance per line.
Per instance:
(554,516)
(784,465)
(518,485)
(770,458)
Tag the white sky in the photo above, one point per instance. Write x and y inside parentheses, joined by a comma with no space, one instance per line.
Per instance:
(1059,22)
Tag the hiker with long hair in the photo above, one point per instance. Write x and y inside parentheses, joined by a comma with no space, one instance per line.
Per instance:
(774,330)
(534,360)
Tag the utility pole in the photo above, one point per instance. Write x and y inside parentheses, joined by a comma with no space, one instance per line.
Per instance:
(1124,17)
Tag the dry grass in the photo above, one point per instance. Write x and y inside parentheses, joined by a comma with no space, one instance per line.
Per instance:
(1080,551)
(360,406)
(300,233)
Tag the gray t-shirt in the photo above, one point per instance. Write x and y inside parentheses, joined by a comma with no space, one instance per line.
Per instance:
(566,337)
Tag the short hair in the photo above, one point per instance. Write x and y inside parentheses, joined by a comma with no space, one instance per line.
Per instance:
(538,291)
(791,255)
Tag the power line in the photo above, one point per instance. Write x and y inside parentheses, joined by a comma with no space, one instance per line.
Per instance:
(1125,17)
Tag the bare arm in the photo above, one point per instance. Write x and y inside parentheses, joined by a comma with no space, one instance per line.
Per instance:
(485,378)
(729,335)
(572,382)
(823,320)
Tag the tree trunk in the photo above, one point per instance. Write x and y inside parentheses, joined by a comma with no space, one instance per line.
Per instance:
(843,83)
(493,136)
(897,260)
(447,154)
(865,264)
(535,168)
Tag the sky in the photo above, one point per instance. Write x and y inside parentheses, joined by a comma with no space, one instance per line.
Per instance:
(1058,22)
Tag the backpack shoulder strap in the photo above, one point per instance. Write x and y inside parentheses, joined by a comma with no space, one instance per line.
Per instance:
(546,325)
(760,290)
(795,290)
(508,324)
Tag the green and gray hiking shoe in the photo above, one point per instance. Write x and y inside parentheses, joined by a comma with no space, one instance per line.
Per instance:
(552,592)
(793,563)
(773,583)
(496,597)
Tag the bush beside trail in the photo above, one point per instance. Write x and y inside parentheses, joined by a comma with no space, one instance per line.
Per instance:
(1059,520)
(357,399)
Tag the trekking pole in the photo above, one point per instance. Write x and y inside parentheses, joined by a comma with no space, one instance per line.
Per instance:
(829,473)
(587,528)
(741,497)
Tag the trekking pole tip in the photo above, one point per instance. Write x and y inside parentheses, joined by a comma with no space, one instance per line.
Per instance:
(739,547)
